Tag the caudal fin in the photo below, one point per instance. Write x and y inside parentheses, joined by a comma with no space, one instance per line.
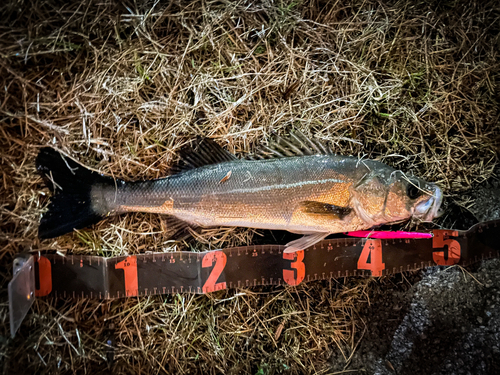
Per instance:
(71,184)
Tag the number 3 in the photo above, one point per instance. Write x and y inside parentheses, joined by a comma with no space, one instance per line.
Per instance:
(296,275)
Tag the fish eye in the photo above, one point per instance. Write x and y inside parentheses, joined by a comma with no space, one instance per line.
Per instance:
(413,189)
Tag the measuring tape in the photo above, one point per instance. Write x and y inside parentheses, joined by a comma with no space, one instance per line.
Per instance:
(240,267)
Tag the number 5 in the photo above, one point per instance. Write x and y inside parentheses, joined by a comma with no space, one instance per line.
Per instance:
(440,240)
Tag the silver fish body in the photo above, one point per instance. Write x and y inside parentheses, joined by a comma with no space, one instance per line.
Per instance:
(310,194)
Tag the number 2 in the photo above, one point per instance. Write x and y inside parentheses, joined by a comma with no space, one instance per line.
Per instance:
(220,262)
(372,249)
(129,267)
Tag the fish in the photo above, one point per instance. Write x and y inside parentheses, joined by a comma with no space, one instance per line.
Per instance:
(295,184)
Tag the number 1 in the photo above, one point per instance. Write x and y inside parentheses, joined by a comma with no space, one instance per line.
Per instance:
(129,267)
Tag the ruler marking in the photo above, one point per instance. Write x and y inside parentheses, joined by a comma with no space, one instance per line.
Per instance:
(343,251)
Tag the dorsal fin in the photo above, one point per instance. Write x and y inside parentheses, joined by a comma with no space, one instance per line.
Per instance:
(296,144)
(200,152)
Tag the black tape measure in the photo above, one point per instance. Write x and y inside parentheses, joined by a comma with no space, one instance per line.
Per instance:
(242,267)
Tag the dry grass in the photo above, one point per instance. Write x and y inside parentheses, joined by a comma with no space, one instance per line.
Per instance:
(122,87)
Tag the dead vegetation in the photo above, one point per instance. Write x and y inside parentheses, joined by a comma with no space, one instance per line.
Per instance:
(121,87)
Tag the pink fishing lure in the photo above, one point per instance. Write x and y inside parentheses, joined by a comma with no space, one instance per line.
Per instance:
(388,235)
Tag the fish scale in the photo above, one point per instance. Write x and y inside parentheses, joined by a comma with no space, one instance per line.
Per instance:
(265,193)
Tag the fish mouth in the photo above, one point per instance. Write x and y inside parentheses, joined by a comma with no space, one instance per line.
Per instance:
(428,210)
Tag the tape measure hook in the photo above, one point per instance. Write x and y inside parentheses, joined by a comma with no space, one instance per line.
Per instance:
(21,290)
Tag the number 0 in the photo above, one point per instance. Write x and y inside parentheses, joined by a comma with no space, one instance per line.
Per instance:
(44,277)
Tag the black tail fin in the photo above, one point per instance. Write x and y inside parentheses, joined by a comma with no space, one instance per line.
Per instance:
(71,184)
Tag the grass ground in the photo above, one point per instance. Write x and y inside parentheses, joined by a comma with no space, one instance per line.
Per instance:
(122,86)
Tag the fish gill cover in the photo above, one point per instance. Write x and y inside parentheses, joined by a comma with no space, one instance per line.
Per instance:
(122,88)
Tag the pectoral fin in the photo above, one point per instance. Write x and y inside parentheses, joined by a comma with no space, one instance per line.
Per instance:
(320,208)
(305,242)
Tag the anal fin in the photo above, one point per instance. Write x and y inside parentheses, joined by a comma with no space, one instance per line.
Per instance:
(305,242)
(177,229)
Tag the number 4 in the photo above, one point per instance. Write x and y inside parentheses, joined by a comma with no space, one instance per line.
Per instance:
(372,250)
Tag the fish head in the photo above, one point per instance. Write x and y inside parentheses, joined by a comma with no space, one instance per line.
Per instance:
(413,197)
(388,196)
